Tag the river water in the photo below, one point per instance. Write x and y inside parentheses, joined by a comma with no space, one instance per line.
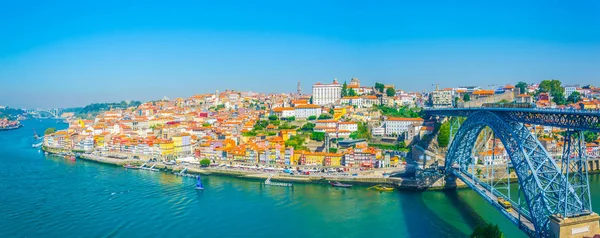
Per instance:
(47,196)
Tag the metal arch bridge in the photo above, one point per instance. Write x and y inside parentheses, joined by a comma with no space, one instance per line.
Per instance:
(53,112)
(548,190)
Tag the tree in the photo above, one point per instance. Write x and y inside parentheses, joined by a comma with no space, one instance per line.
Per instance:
(50,131)
(590,136)
(311,118)
(308,127)
(325,116)
(574,97)
(344,89)
(292,118)
(466,97)
(310,100)
(318,136)
(443,137)
(333,150)
(487,231)
(559,98)
(362,132)
(204,162)
(379,87)
(552,86)
(206,124)
(272,118)
(351,92)
(390,92)
(522,86)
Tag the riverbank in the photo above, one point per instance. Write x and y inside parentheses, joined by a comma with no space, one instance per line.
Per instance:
(319,178)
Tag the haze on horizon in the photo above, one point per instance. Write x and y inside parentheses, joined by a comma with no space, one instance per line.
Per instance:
(74,53)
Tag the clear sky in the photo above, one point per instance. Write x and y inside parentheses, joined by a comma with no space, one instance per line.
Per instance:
(77,52)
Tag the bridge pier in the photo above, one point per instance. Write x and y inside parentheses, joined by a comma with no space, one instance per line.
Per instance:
(579,227)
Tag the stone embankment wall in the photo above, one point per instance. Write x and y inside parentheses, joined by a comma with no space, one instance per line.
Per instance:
(508,96)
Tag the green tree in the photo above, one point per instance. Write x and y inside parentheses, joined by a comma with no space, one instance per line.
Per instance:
(351,92)
(362,132)
(443,137)
(487,231)
(590,136)
(574,97)
(296,142)
(555,89)
(522,86)
(325,116)
(311,118)
(318,136)
(308,127)
(390,92)
(49,131)
(292,118)
(333,150)
(272,118)
(310,100)
(379,87)
(559,98)
(205,162)
(344,89)
(206,124)
(466,97)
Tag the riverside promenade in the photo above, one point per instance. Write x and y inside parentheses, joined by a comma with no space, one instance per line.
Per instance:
(368,177)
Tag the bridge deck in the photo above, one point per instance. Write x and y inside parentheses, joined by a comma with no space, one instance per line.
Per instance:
(586,120)
(521,221)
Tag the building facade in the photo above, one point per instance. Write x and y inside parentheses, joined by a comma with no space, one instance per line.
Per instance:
(325,94)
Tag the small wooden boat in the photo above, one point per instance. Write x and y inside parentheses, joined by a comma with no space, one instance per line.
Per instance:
(340,185)
(383,188)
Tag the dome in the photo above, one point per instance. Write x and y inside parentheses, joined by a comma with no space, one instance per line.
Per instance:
(354,81)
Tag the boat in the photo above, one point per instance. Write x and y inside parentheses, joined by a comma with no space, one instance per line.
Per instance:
(70,157)
(384,188)
(129,166)
(199,185)
(340,185)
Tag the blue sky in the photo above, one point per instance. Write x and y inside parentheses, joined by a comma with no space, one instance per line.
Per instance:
(71,53)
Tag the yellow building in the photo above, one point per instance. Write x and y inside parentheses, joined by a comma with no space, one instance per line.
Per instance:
(339,112)
(167,148)
(317,158)
(99,141)
(286,134)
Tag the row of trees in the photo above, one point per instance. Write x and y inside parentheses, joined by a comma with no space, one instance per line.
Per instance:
(555,89)
(399,112)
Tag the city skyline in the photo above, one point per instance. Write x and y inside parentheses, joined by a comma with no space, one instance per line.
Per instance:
(72,54)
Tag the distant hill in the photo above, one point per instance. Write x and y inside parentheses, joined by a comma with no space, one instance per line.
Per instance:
(94,109)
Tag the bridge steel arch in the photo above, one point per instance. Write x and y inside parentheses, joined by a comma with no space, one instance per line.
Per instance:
(545,188)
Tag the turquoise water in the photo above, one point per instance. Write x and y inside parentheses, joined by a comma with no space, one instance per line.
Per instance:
(46,196)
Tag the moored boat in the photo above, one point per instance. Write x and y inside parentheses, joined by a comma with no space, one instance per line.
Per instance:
(129,166)
(199,185)
(384,188)
(340,185)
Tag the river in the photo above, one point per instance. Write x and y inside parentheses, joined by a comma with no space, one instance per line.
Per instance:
(47,196)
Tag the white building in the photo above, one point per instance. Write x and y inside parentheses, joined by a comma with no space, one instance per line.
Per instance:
(324,94)
(398,125)
(336,128)
(442,98)
(569,89)
(305,111)
(284,112)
